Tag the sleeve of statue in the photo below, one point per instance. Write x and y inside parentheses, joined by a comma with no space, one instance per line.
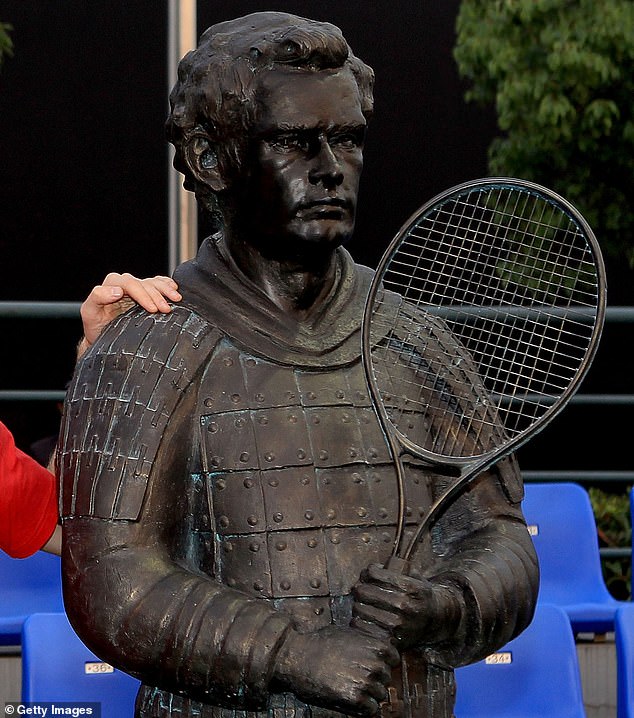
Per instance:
(126,429)
(483,554)
(482,557)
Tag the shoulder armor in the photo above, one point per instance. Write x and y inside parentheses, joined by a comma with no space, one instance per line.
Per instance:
(122,395)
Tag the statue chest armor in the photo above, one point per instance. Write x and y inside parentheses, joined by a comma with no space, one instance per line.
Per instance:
(296,485)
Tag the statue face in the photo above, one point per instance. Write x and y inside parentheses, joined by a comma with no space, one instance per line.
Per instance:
(306,160)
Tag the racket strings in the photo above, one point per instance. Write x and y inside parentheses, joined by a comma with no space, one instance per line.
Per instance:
(429,388)
(512,286)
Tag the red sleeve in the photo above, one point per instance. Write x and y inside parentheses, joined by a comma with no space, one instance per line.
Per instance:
(28,500)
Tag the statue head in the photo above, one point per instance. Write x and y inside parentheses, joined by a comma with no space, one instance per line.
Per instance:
(224,85)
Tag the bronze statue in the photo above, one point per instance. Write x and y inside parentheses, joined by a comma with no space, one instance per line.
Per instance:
(228,497)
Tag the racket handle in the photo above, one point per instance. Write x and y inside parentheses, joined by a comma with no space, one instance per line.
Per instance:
(398,565)
(370,629)
(397,703)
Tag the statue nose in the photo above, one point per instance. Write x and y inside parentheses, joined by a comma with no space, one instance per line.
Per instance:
(326,167)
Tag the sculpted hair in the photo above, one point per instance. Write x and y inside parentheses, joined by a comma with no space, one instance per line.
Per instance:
(217,82)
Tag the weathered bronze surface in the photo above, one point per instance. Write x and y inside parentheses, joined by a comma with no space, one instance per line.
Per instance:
(228,495)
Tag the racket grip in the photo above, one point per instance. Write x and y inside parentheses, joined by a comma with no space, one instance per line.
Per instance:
(398,565)
(370,629)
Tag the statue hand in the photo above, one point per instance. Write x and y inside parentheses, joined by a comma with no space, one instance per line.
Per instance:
(410,609)
(337,668)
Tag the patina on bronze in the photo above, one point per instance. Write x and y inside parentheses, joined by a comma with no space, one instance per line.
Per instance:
(228,496)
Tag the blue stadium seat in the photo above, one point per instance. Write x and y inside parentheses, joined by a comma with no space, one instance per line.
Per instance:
(624,639)
(563,528)
(57,666)
(27,585)
(536,675)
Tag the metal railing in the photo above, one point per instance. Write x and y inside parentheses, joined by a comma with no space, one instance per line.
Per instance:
(614,315)
(37,310)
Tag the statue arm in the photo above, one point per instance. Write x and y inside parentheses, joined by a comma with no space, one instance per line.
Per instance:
(473,590)
(123,460)
(133,588)
(167,625)
(136,606)
(490,567)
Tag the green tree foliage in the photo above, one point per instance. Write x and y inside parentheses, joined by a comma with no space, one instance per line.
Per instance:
(6,44)
(560,74)
(612,514)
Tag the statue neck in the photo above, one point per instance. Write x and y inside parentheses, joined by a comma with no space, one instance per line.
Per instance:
(297,285)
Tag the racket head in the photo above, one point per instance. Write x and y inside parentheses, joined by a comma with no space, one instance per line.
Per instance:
(483,318)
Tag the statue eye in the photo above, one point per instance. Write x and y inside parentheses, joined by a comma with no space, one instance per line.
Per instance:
(347,140)
(291,142)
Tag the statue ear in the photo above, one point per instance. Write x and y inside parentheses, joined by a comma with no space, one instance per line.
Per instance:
(202,159)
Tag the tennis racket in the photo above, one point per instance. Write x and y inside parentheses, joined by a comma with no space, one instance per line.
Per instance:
(482,320)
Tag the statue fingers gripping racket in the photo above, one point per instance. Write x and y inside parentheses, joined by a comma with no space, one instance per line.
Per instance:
(229,498)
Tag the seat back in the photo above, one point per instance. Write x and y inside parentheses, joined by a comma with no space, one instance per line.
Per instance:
(624,639)
(57,666)
(563,528)
(536,675)
(27,585)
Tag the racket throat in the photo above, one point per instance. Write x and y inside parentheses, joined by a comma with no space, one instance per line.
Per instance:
(402,549)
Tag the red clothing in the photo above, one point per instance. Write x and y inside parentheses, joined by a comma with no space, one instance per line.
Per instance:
(28,500)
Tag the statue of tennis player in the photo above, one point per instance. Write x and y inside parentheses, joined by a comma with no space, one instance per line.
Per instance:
(228,497)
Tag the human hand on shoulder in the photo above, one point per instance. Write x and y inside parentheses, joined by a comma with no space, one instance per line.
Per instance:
(118,293)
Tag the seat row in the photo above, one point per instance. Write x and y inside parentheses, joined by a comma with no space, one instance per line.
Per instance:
(530,676)
(534,675)
(537,674)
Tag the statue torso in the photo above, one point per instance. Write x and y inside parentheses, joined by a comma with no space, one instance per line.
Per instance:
(294,483)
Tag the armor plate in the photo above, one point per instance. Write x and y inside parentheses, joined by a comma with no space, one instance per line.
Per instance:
(301,488)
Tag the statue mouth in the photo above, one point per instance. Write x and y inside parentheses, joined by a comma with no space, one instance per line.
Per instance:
(326,201)
(325,208)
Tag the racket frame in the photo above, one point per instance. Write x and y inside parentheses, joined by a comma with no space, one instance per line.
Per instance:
(468,468)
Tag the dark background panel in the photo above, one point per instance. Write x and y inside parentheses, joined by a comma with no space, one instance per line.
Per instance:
(83,176)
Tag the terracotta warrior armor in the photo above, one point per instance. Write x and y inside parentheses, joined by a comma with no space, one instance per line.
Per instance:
(242,489)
